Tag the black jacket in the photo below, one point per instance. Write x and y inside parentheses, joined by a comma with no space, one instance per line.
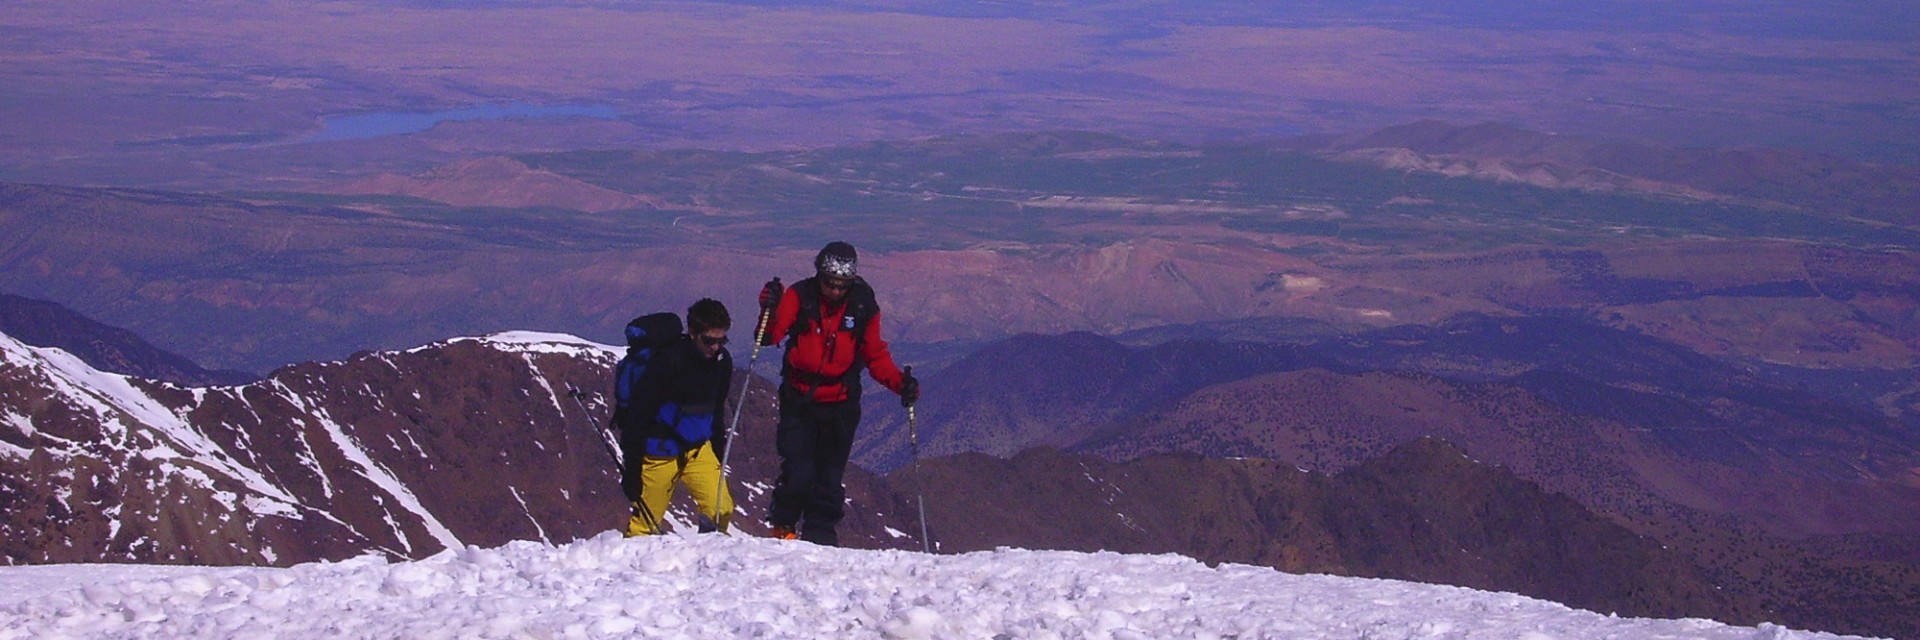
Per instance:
(679,403)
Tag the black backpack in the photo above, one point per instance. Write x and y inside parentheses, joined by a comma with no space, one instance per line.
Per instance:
(646,335)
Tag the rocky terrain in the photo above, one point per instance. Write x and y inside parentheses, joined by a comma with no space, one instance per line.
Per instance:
(1423,511)
(482,441)
(1627,424)
(1791,497)
(318,461)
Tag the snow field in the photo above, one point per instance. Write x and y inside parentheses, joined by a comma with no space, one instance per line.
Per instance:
(710,586)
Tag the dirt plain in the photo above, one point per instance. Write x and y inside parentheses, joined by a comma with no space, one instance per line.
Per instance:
(221,94)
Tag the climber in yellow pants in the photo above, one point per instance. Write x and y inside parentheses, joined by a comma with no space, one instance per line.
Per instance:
(697,470)
(669,428)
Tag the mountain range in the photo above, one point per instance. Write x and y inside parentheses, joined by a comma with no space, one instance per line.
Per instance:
(477,441)
(1617,419)
(1801,499)
(48,324)
(1423,511)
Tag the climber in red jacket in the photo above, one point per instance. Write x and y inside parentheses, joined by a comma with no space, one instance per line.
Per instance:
(830,324)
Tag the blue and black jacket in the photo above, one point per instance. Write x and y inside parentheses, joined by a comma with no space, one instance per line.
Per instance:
(678,403)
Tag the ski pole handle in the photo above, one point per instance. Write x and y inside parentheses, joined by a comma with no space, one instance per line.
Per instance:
(909,388)
(913,433)
(770,293)
(766,313)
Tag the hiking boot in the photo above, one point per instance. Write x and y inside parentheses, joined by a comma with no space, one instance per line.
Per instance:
(783,533)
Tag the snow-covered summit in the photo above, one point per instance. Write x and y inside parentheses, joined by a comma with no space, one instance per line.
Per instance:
(711,586)
(541,342)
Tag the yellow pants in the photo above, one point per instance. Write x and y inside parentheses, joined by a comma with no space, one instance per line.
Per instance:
(697,470)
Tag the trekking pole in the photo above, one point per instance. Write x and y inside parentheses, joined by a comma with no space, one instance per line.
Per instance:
(766,314)
(919,495)
(605,439)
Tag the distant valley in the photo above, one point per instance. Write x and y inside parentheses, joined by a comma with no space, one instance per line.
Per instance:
(194,98)
(1066,231)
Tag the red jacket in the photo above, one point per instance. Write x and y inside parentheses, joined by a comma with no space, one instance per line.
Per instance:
(821,350)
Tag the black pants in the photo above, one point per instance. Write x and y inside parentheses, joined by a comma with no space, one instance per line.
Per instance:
(814,441)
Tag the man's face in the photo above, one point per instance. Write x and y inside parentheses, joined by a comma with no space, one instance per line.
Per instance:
(833,289)
(710,341)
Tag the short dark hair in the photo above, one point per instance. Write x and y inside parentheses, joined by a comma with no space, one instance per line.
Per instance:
(706,314)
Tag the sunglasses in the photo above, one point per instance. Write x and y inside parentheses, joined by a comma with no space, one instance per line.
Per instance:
(712,342)
(836,285)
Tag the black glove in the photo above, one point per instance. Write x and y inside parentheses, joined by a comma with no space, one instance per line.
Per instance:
(770,294)
(909,389)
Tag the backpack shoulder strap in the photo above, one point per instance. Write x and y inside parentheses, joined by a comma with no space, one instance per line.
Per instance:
(807,294)
(626,374)
(861,304)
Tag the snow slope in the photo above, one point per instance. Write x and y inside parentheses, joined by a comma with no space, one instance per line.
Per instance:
(709,586)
